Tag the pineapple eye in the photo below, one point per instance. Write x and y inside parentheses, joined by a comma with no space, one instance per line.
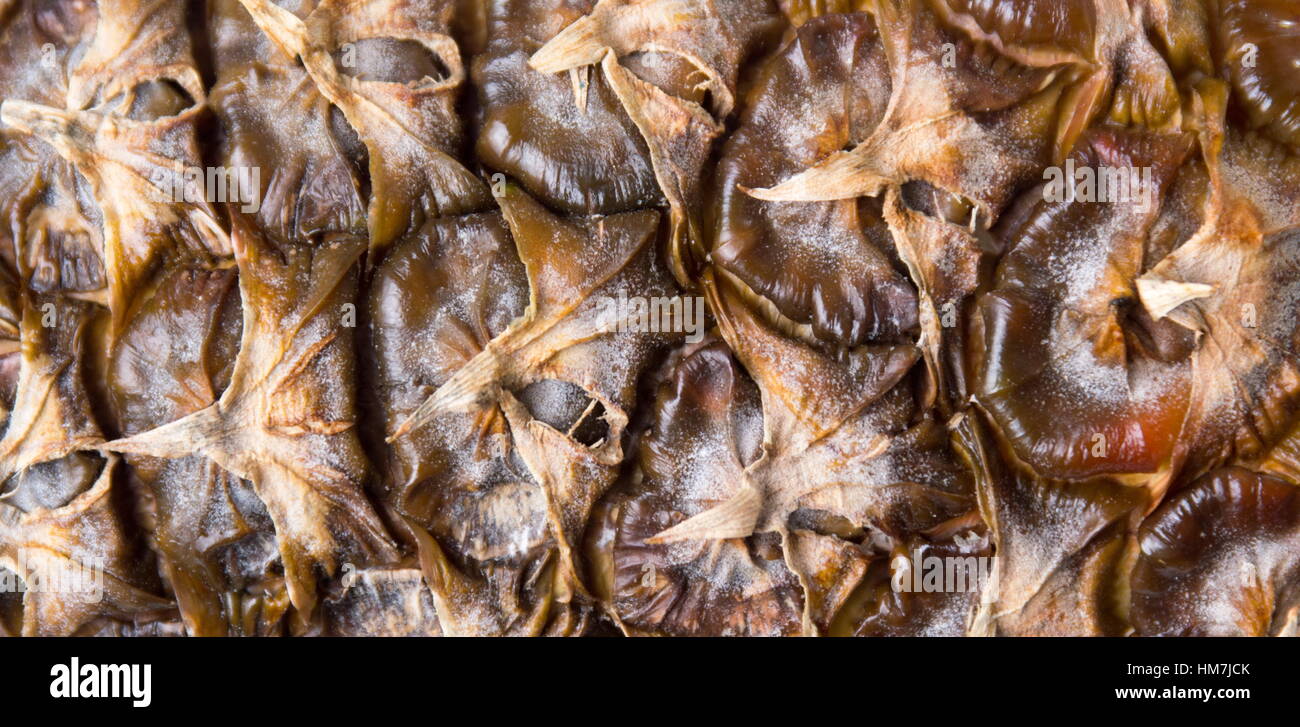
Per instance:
(52,484)
(823,270)
(156,99)
(567,408)
(673,73)
(534,131)
(1026,23)
(390,60)
(1054,334)
(151,100)
(1261,56)
(1216,558)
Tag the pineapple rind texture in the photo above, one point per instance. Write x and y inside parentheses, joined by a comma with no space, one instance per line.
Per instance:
(649,318)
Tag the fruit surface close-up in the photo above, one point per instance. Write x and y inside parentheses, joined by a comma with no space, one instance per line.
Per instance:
(649,317)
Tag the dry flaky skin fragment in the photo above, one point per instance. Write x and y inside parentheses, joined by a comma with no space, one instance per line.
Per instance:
(286,422)
(409,128)
(839,448)
(490,464)
(831,568)
(945,261)
(680,134)
(1221,558)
